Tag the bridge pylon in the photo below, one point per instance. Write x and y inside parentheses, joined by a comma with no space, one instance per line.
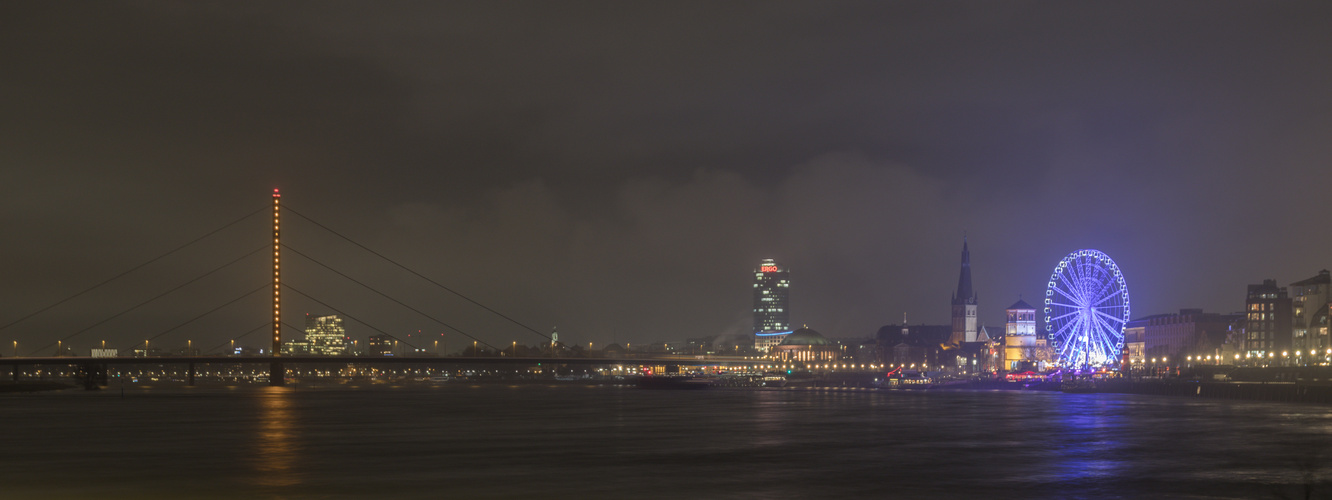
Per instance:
(277,375)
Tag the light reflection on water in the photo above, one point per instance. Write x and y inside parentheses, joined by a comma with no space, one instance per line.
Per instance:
(502,441)
(275,449)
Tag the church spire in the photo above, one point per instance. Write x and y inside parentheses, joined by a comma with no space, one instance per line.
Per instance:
(964,294)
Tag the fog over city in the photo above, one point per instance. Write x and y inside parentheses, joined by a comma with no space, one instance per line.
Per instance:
(618,171)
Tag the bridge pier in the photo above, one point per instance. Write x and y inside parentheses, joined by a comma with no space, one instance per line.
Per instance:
(191,379)
(94,376)
(277,376)
(16,370)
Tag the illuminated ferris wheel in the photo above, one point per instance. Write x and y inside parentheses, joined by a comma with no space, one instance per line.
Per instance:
(1086,307)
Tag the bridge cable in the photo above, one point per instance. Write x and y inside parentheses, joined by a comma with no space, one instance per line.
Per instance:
(210,311)
(401,303)
(158,296)
(353,318)
(241,336)
(419,275)
(135,268)
(373,327)
(384,333)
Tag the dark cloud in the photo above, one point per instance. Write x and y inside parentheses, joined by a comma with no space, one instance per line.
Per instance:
(618,169)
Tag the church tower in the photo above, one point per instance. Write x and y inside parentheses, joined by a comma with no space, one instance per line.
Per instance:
(964,303)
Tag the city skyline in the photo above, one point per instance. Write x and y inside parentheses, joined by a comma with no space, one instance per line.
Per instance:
(856,143)
(535,249)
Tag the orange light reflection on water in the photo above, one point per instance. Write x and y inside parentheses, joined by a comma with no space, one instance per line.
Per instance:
(276,450)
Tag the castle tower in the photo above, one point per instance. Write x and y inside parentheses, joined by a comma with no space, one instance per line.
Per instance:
(1020,348)
(964,303)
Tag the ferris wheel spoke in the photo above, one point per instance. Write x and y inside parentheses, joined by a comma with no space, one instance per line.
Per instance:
(1085,272)
(1104,280)
(1100,322)
(1107,316)
(1066,326)
(1083,343)
(1107,334)
(1069,284)
(1066,344)
(1100,292)
(1065,315)
(1075,328)
(1111,335)
(1108,297)
(1069,297)
(1074,279)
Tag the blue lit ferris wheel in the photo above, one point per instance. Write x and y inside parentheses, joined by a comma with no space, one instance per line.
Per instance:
(1086,307)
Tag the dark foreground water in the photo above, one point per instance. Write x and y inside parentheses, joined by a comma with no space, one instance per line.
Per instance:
(463,441)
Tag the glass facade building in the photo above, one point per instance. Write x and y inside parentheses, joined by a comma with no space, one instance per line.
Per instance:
(772,309)
(1268,313)
(325,336)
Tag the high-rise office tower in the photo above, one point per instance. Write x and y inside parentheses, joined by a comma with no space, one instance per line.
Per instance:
(325,335)
(772,310)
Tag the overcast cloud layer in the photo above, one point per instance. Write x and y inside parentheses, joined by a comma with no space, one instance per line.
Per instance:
(618,170)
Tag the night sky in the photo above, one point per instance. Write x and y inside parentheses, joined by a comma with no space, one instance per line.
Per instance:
(619,169)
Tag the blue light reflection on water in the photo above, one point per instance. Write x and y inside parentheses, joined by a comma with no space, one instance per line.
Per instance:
(494,441)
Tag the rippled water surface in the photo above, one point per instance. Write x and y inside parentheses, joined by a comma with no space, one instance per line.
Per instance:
(495,441)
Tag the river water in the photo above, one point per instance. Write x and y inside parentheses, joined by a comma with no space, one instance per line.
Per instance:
(537,441)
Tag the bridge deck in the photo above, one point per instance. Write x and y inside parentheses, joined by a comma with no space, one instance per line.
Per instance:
(78,360)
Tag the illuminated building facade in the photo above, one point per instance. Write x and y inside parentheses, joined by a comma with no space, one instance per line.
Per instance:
(1020,349)
(772,310)
(764,342)
(1135,343)
(806,346)
(295,348)
(380,345)
(1308,298)
(964,303)
(325,335)
(1191,332)
(1318,329)
(1267,309)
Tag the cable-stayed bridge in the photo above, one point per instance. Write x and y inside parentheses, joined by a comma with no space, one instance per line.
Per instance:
(93,369)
